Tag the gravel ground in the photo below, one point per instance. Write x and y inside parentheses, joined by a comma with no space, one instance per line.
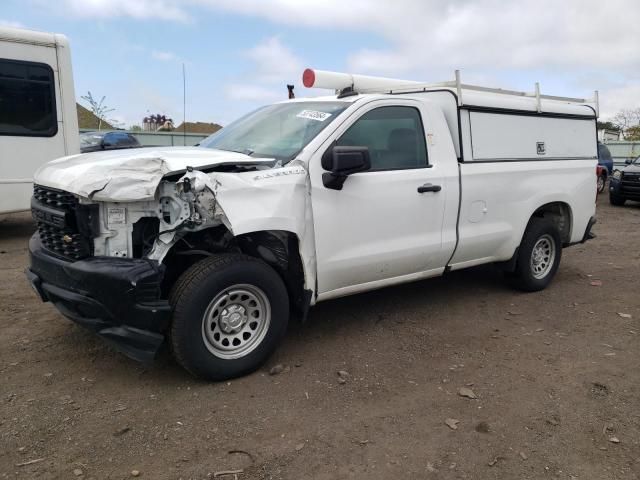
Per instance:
(555,374)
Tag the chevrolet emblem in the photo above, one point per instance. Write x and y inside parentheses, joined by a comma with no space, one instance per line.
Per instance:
(67,239)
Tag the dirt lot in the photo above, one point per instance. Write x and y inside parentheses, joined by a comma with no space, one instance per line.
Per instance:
(556,375)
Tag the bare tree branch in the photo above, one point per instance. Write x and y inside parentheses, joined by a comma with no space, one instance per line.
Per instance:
(99,109)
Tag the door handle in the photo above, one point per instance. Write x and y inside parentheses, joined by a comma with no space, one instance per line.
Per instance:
(428,187)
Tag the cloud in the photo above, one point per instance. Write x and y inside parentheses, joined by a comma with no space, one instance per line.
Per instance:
(107,9)
(11,23)
(585,44)
(619,98)
(523,34)
(272,65)
(274,62)
(164,56)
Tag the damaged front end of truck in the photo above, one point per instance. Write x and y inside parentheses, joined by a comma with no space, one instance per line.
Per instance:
(115,234)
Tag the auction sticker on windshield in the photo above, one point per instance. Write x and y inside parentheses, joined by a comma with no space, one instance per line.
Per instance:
(314,115)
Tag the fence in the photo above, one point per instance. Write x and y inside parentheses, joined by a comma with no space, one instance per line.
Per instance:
(622,151)
(163,139)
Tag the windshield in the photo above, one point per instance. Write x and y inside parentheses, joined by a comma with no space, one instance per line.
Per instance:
(277,131)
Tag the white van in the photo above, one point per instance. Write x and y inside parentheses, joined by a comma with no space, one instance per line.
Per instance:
(38,118)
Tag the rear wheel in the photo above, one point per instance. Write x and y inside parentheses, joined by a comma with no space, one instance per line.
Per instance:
(616,200)
(229,314)
(538,256)
(602,180)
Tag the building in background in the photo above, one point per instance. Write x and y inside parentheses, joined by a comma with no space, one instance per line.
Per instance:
(157,123)
(606,135)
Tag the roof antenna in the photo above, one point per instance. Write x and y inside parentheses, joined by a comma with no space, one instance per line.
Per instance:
(184,106)
(291,94)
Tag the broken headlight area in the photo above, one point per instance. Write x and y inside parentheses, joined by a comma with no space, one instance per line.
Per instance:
(143,236)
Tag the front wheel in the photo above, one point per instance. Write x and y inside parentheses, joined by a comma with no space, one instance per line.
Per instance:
(602,181)
(229,314)
(538,256)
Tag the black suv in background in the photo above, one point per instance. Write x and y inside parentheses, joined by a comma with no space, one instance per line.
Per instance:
(625,183)
(97,141)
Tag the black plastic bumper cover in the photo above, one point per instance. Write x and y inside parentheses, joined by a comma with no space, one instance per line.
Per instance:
(588,234)
(626,190)
(118,298)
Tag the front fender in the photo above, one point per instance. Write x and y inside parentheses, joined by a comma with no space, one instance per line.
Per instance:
(274,199)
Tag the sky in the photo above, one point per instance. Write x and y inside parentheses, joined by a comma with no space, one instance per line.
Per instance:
(240,54)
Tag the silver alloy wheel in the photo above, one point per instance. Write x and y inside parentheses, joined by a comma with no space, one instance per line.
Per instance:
(542,256)
(600,186)
(236,321)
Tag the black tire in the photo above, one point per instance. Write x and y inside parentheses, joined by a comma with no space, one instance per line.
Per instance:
(192,298)
(525,277)
(602,182)
(616,200)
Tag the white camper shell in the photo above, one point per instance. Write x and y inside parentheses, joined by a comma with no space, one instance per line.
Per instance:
(38,119)
(214,247)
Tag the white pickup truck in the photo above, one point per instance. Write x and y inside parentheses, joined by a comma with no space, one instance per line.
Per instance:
(213,248)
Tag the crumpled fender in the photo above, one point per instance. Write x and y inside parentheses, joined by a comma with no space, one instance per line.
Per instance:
(274,199)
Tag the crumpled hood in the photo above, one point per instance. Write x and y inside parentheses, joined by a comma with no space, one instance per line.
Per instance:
(128,174)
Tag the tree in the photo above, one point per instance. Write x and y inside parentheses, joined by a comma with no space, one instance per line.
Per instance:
(632,133)
(627,118)
(99,109)
(135,128)
(608,126)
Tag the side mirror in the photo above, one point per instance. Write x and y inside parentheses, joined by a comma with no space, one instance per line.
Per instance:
(628,161)
(342,162)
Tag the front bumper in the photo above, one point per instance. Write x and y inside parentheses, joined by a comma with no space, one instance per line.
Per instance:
(624,188)
(118,298)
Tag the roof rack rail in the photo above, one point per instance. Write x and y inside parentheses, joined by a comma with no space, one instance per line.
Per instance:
(365,84)
(459,87)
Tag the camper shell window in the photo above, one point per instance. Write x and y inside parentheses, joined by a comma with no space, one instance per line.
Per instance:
(27,99)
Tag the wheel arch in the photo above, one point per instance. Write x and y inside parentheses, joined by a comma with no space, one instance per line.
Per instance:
(560,214)
(280,249)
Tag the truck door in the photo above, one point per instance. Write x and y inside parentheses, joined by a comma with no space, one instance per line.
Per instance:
(386,225)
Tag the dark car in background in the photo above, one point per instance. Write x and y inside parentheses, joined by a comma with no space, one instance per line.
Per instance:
(625,183)
(601,175)
(97,141)
(604,157)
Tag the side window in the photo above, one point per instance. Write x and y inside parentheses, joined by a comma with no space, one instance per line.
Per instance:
(109,140)
(27,99)
(394,136)
(122,139)
(116,139)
